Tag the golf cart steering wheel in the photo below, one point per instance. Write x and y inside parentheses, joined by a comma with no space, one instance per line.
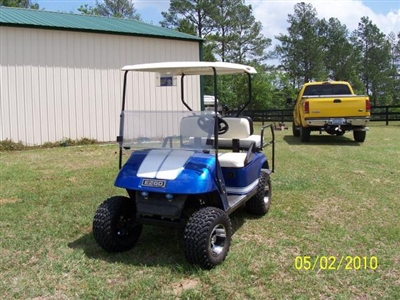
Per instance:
(206,122)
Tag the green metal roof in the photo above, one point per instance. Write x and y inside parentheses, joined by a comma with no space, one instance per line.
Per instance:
(32,18)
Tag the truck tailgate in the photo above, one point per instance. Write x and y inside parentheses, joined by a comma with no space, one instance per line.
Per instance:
(337,106)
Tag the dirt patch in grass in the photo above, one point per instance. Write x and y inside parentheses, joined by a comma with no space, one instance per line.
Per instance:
(8,200)
(185,284)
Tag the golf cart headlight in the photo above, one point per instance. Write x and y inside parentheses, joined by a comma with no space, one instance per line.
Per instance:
(145,195)
(169,197)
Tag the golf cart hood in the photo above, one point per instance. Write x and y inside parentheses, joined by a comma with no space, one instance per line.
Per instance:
(168,171)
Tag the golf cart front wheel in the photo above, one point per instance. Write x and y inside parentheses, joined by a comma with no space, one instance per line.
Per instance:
(207,237)
(259,204)
(114,226)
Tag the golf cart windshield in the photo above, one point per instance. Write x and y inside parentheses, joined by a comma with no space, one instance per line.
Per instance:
(160,129)
(168,129)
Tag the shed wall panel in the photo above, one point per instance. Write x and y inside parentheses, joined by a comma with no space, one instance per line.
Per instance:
(63,84)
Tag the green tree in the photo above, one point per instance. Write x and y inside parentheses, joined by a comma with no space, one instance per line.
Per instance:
(86,9)
(230,32)
(192,17)
(19,3)
(195,12)
(236,34)
(339,54)
(224,17)
(265,90)
(301,51)
(228,26)
(395,50)
(186,26)
(394,42)
(247,43)
(375,65)
(236,37)
(111,8)
(270,89)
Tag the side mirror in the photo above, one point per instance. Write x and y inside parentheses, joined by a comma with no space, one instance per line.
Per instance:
(289,101)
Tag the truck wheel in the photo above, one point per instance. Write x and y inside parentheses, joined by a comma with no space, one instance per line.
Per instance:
(295,130)
(359,136)
(305,134)
(114,226)
(341,133)
(259,204)
(207,237)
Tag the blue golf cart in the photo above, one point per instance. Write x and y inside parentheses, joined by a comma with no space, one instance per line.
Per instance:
(186,169)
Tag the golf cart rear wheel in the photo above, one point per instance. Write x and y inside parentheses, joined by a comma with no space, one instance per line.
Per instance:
(207,237)
(114,226)
(259,204)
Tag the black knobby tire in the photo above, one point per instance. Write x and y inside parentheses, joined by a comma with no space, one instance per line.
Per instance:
(305,134)
(359,136)
(295,130)
(259,204)
(114,226)
(207,237)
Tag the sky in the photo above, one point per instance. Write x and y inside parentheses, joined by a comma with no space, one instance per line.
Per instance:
(273,14)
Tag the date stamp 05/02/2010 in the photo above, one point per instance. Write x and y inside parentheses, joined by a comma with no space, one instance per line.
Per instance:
(334,263)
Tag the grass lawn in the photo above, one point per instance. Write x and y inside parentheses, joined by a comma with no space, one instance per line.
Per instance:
(333,230)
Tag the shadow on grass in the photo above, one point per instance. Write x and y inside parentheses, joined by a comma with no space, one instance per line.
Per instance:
(325,140)
(156,247)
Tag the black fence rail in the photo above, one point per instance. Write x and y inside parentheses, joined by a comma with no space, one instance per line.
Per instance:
(385,113)
(378,113)
(270,115)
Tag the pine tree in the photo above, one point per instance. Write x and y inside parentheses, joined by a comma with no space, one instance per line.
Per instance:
(374,60)
(195,12)
(19,3)
(111,8)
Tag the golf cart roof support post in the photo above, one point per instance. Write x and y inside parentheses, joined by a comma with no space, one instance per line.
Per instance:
(249,99)
(120,158)
(273,149)
(216,112)
(182,97)
(121,118)
(216,129)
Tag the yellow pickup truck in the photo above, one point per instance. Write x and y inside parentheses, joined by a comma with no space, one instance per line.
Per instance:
(332,107)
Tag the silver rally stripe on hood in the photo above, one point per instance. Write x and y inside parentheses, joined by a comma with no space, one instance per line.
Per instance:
(163,164)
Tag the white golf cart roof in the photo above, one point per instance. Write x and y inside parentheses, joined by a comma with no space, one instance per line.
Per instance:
(191,68)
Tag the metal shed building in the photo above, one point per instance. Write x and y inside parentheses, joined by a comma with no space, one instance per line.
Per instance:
(60,73)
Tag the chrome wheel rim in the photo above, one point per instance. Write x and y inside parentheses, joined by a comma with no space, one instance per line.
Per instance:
(217,240)
(266,195)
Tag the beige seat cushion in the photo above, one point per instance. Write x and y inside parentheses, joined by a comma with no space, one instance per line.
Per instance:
(239,128)
(232,159)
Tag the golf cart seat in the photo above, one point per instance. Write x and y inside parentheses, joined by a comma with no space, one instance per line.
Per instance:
(189,127)
(240,134)
(197,137)
(234,159)
(239,138)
